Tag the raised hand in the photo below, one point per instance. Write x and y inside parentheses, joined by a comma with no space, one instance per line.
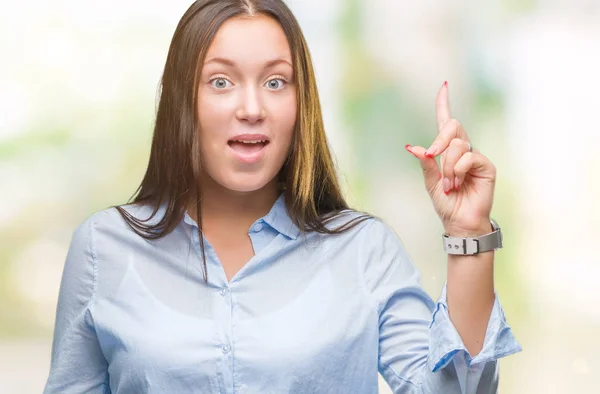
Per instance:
(462,191)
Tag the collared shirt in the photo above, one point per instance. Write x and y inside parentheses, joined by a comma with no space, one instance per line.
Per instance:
(308,313)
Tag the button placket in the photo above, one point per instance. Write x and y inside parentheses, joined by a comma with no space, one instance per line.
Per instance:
(223,325)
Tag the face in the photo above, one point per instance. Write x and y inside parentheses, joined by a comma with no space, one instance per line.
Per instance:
(246,104)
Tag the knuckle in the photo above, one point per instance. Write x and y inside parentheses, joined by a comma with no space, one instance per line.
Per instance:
(469,157)
(464,163)
(457,143)
(449,125)
(453,124)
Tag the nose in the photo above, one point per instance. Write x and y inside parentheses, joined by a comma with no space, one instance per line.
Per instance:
(250,108)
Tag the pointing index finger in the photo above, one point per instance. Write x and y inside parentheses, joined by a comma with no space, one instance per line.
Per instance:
(442,106)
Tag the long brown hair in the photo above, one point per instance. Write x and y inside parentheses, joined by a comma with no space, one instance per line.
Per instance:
(312,193)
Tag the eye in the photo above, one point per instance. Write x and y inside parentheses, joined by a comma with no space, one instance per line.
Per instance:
(275,83)
(220,83)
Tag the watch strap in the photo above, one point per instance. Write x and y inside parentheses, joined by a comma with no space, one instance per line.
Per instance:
(473,245)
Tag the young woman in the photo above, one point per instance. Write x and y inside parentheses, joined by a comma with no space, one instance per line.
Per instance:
(239,267)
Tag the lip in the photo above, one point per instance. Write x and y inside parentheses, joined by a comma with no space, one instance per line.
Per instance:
(249,158)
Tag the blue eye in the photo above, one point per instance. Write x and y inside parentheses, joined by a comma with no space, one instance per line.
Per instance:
(275,84)
(220,83)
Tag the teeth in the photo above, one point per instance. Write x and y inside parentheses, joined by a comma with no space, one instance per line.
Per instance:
(251,142)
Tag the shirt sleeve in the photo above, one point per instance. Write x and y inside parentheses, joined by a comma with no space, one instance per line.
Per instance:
(77,364)
(420,351)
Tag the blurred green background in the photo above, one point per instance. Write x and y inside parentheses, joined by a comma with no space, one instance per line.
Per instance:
(78,85)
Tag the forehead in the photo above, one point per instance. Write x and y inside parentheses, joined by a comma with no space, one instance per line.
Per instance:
(245,38)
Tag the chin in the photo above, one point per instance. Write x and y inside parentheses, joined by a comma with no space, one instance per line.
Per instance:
(244,188)
(246,184)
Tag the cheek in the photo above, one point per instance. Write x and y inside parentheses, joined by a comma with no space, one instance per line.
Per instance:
(214,116)
(283,115)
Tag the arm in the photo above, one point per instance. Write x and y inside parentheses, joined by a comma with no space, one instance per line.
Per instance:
(462,192)
(77,363)
(470,291)
(420,350)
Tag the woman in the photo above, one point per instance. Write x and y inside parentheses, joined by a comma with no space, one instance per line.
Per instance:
(239,268)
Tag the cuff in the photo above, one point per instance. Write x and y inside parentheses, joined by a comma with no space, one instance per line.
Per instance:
(445,342)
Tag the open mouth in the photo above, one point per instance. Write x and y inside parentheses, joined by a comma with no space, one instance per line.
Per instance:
(248,151)
(247,147)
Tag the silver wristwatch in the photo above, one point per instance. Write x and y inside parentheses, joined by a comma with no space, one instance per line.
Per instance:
(470,246)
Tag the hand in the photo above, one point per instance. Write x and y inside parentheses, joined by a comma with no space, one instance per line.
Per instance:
(463,191)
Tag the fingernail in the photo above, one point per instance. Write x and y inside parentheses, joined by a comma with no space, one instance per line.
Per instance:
(445,83)
(456,182)
(431,151)
(408,147)
(447,185)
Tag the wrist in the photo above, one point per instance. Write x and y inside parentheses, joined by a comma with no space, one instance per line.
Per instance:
(474,230)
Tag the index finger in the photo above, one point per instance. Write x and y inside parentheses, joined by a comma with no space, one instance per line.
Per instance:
(442,106)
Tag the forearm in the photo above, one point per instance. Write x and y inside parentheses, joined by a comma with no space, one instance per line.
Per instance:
(470,292)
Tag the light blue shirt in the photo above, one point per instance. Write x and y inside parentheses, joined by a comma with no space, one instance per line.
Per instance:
(310,313)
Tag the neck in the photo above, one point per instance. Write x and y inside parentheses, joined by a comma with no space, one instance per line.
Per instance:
(228,210)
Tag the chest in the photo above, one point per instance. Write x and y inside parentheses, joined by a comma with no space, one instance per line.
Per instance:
(298,315)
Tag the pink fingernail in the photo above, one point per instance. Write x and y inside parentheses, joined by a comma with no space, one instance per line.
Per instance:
(431,151)
(445,83)
(456,183)
(408,147)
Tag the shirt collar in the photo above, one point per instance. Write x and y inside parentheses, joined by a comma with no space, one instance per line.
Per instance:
(188,219)
(277,218)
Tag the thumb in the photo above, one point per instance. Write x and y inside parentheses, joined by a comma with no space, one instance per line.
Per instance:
(431,171)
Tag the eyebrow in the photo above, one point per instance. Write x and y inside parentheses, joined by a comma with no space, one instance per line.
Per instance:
(231,63)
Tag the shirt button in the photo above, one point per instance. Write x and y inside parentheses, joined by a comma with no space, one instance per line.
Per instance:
(224,291)
(225,349)
(257,227)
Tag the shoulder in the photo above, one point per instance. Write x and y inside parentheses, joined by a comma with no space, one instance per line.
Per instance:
(349,217)
(108,225)
(367,223)
(377,234)
(114,216)
(366,230)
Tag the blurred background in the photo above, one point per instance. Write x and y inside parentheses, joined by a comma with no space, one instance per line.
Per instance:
(78,84)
